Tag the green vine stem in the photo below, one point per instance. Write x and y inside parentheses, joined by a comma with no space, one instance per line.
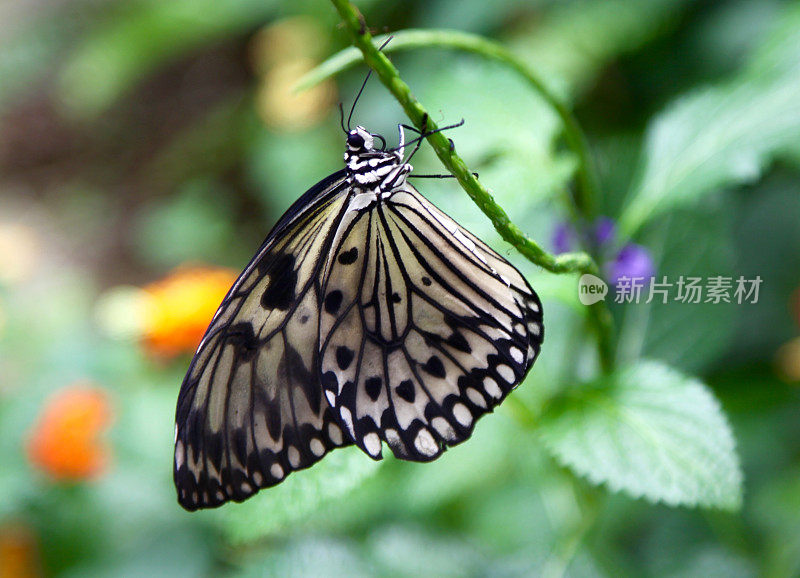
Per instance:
(414,38)
(565,263)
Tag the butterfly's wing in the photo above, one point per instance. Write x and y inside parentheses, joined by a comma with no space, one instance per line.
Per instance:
(250,409)
(424,329)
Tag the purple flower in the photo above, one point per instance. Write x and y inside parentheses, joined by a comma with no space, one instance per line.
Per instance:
(632,261)
(604,231)
(564,238)
(600,235)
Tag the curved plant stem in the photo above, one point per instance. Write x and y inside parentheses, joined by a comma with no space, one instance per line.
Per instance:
(442,146)
(414,38)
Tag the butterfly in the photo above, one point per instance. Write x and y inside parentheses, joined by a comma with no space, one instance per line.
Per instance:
(367,316)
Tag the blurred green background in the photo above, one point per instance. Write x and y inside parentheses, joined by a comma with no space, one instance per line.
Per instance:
(140,136)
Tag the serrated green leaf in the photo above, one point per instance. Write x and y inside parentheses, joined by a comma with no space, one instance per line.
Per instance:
(712,139)
(720,136)
(648,431)
(297,497)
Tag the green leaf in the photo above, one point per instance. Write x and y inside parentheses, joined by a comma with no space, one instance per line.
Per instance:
(709,140)
(689,336)
(721,136)
(573,42)
(300,495)
(650,432)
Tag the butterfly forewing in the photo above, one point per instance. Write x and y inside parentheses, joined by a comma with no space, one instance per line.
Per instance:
(250,409)
(438,329)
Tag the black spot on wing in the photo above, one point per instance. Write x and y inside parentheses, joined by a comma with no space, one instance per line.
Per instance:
(239,445)
(329,381)
(243,339)
(333,301)
(406,390)
(294,368)
(274,424)
(459,342)
(373,387)
(434,366)
(280,292)
(348,257)
(344,356)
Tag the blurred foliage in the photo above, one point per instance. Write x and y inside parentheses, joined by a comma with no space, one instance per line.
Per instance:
(140,136)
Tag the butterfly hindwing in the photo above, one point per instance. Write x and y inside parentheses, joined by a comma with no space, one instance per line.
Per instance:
(251,409)
(432,328)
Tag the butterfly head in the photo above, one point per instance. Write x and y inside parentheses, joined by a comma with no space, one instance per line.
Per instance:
(373,169)
(360,140)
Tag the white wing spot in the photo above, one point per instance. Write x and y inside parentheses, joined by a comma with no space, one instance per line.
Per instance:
(294,456)
(425,443)
(179,454)
(534,328)
(246,488)
(519,328)
(277,471)
(257,478)
(443,427)
(517,354)
(373,443)
(347,418)
(220,495)
(492,388)
(331,397)
(335,433)
(475,397)
(393,438)
(506,373)
(316,447)
(462,414)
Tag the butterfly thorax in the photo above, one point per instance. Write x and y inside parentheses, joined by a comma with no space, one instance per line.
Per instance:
(373,170)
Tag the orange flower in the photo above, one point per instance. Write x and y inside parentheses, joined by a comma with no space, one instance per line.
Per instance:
(180,307)
(19,551)
(65,442)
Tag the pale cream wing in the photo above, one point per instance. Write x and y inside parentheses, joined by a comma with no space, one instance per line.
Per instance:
(424,329)
(251,408)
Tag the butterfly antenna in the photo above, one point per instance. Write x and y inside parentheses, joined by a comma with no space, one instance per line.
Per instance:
(341,117)
(429,133)
(363,85)
(360,90)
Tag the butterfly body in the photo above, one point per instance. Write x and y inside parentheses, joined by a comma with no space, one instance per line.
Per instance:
(367,316)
